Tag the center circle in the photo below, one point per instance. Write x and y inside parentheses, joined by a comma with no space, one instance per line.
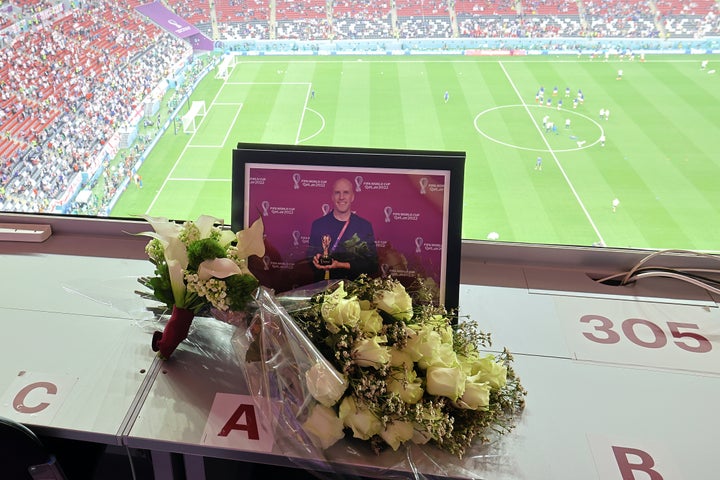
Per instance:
(506,124)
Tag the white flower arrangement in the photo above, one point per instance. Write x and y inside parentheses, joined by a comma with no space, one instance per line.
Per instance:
(198,266)
(404,372)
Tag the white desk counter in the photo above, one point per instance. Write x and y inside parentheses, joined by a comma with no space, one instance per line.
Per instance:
(71,375)
(593,410)
(622,382)
(74,284)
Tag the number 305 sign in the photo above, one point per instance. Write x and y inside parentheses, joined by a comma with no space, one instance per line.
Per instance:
(660,335)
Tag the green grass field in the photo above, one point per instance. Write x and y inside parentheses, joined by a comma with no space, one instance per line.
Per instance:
(661,158)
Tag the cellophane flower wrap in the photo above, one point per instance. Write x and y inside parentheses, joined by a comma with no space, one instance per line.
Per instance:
(361,367)
(198,266)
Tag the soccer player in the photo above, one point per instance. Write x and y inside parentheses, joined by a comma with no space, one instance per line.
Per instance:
(619,75)
(607,113)
(567,91)
(615,204)
(446,96)
(602,113)
(559,105)
(703,65)
(538,163)
(555,91)
(567,123)
(602,140)
(549,102)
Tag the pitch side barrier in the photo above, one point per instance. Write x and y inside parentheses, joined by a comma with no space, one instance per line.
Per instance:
(474,46)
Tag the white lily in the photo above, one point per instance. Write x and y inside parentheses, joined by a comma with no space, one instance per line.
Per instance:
(250,241)
(204,223)
(176,257)
(218,268)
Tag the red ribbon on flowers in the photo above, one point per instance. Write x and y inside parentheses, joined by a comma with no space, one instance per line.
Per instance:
(176,330)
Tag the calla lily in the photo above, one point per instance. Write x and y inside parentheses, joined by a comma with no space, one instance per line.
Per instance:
(204,223)
(226,237)
(250,241)
(176,256)
(218,268)
(177,282)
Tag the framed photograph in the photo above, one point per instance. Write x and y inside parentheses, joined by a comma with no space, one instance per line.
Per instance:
(333,212)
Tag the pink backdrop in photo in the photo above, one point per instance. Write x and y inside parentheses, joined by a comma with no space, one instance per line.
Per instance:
(406,210)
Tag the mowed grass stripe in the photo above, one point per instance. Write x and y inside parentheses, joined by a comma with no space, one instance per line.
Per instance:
(660,158)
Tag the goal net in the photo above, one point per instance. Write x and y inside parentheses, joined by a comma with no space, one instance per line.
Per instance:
(189,120)
(225,67)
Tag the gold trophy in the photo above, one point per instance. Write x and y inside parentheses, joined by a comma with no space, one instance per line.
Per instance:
(325,258)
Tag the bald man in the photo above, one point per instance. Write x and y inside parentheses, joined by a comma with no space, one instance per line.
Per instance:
(342,244)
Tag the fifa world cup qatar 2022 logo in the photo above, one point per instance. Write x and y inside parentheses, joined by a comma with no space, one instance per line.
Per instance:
(358,182)
(388,213)
(423,185)
(296,181)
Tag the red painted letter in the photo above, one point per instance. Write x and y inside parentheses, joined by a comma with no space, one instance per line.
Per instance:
(626,468)
(19,400)
(250,426)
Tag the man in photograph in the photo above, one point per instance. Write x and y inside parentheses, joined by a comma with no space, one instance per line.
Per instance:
(342,244)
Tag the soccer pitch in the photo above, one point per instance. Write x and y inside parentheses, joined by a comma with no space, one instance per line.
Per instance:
(661,158)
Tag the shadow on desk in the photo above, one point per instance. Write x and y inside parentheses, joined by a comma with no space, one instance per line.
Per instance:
(220,469)
(93,461)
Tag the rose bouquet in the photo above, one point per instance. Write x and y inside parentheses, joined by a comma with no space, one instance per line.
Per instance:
(363,359)
(198,266)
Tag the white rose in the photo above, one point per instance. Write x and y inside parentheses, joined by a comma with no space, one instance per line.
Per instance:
(323,426)
(446,382)
(396,302)
(421,342)
(437,354)
(362,421)
(370,321)
(407,385)
(338,312)
(492,372)
(325,384)
(400,358)
(397,433)
(476,394)
(368,352)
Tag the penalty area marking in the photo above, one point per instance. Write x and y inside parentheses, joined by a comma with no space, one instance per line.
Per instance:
(322,126)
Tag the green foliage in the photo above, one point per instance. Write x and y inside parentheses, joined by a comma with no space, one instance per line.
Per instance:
(203,249)
(160,285)
(239,290)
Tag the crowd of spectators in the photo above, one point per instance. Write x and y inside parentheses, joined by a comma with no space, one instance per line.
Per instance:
(68,83)
(382,19)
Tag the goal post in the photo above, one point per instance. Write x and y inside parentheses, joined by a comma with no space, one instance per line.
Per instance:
(189,120)
(225,67)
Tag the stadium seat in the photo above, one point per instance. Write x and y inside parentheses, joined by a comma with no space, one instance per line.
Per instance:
(23,456)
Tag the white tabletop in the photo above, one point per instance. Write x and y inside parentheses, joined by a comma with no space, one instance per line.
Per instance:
(74,284)
(78,376)
(650,403)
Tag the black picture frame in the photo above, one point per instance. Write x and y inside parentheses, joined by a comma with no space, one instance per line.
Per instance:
(292,176)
